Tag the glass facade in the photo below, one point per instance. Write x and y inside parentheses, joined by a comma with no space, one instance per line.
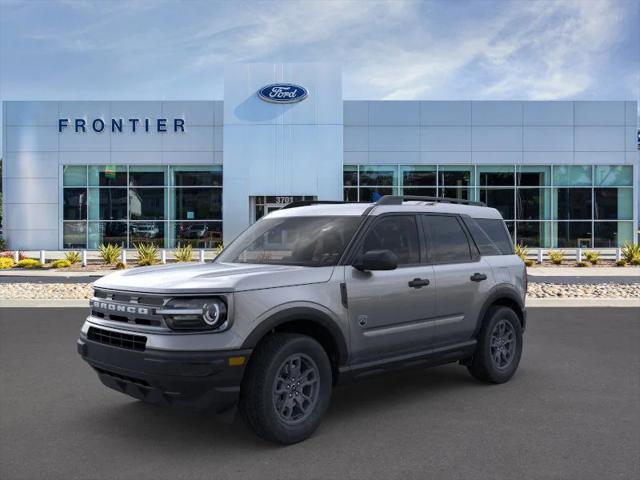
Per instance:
(128,205)
(549,206)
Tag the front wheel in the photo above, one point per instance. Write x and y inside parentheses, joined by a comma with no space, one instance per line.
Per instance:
(499,346)
(287,388)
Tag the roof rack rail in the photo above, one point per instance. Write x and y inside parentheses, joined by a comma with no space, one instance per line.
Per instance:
(306,203)
(398,199)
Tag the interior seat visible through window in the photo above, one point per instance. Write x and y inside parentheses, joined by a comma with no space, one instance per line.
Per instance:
(399,234)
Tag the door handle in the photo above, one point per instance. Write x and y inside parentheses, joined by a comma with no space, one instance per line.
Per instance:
(418,282)
(478,277)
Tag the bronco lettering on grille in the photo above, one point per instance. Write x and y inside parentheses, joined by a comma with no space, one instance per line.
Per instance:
(118,307)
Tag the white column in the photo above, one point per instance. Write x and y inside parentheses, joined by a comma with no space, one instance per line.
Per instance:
(16,256)
(42,259)
(578,254)
(618,254)
(163,256)
(540,255)
(123,256)
(84,258)
(201,256)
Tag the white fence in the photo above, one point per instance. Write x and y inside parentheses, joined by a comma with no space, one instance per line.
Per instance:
(541,255)
(126,256)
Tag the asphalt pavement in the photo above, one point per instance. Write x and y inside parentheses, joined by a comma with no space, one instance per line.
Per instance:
(571,412)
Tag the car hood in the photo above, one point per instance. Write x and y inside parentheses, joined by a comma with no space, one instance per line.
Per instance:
(212,277)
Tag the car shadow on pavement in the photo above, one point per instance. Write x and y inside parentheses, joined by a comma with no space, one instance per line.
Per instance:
(200,431)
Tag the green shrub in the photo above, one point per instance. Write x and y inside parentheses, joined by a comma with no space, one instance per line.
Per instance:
(635,261)
(522,251)
(218,250)
(592,256)
(6,262)
(582,263)
(147,254)
(621,263)
(73,257)
(556,256)
(528,262)
(121,266)
(631,252)
(61,263)
(184,254)
(29,263)
(109,253)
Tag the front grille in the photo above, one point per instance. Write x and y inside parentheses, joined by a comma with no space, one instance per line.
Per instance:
(138,309)
(117,339)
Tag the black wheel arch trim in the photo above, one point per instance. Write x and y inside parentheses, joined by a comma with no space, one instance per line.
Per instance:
(305,314)
(500,292)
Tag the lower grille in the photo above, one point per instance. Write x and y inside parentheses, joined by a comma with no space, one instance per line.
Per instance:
(126,378)
(117,339)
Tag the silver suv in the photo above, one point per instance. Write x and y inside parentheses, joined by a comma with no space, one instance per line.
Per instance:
(311,295)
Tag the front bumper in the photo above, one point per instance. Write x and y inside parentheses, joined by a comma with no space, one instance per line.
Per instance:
(194,380)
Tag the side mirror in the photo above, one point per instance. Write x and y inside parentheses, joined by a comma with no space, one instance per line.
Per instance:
(377,260)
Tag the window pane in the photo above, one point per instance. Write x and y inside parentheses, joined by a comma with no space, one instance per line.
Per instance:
(107,232)
(197,203)
(146,232)
(397,233)
(495,230)
(612,234)
(350,176)
(572,175)
(423,192)
(613,203)
(614,175)
(534,234)
(74,175)
(574,234)
(146,203)
(374,194)
(511,226)
(456,175)
(496,175)
(108,175)
(350,194)
(107,204)
(197,234)
(533,175)
(455,192)
(533,203)
(146,175)
(501,199)
(75,235)
(378,175)
(448,242)
(195,176)
(573,203)
(418,176)
(75,204)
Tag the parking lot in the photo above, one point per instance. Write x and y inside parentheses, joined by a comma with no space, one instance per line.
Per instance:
(572,411)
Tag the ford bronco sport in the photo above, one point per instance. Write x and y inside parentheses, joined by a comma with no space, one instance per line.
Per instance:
(311,295)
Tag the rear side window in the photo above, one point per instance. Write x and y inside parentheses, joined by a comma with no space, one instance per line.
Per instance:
(448,242)
(495,229)
(398,233)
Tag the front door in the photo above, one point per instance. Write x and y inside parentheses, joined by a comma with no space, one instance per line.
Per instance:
(261,205)
(390,311)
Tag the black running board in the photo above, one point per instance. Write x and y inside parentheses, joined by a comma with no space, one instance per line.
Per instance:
(425,358)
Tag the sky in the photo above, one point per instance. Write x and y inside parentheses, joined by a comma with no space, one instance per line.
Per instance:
(404,50)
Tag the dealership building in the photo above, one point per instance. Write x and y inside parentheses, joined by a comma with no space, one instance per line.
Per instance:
(80,173)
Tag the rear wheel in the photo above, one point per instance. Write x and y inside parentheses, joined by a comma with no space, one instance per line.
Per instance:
(499,346)
(287,388)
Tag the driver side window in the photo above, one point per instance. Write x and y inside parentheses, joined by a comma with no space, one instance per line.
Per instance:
(397,233)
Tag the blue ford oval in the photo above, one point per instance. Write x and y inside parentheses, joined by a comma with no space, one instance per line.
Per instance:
(283,93)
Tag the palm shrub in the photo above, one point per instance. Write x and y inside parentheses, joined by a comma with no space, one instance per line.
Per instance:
(73,257)
(556,256)
(522,251)
(592,257)
(29,263)
(61,263)
(109,252)
(631,253)
(184,253)
(582,263)
(147,254)
(621,263)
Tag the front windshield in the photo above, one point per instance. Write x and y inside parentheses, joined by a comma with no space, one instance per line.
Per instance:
(304,241)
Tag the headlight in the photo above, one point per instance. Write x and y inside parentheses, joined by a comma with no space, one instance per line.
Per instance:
(195,314)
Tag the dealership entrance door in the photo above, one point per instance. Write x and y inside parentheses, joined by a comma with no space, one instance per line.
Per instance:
(263,204)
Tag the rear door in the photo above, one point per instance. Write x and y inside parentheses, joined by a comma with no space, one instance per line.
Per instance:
(462,278)
(389,311)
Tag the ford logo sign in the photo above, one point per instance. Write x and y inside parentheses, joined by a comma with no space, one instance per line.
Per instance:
(283,93)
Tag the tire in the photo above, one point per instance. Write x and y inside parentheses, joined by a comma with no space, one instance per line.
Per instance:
(278,406)
(498,363)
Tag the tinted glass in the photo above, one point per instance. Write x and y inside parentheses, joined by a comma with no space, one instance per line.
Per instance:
(572,175)
(107,232)
(304,241)
(612,234)
(75,203)
(198,203)
(613,203)
(448,242)
(574,234)
(574,203)
(381,175)
(423,192)
(455,192)
(419,177)
(144,176)
(501,199)
(460,178)
(398,233)
(113,203)
(530,233)
(350,194)
(481,239)
(146,232)
(350,176)
(198,234)
(374,194)
(74,175)
(108,175)
(495,229)
(197,177)
(146,203)
(75,235)
(532,203)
